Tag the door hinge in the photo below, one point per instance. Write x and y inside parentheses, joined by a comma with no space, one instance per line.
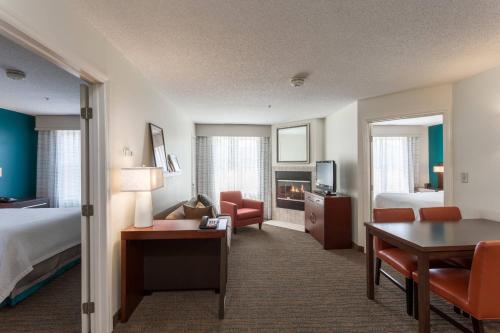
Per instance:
(86,113)
(88,307)
(88,210)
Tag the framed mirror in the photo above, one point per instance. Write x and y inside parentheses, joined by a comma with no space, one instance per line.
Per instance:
(293,144)
(158,143)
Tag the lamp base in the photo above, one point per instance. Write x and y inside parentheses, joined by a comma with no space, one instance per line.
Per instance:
(143,210)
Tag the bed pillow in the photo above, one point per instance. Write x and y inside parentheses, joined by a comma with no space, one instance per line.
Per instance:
(196,213)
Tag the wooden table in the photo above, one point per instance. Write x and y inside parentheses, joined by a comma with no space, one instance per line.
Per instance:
(428,240)
(172,255)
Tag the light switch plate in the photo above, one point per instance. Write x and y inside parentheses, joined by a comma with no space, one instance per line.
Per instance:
(464,177)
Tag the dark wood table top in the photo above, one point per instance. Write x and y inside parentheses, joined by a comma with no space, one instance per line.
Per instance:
(440,236)
(174,229)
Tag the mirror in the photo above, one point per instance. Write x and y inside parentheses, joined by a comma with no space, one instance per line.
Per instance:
(158,143)
(293,144)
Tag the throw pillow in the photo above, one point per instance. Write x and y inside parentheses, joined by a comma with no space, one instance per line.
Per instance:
(204,199)
(196,213)
(177,214)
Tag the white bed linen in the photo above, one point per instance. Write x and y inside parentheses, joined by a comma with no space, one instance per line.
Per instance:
(415,200)
(29,236)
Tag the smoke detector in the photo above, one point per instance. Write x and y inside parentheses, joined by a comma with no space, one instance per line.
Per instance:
(297,81)
(15,74)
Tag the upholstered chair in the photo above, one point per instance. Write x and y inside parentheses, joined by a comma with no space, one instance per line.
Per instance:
(440,214)
(243,212)
(445,214)
(475,291)
(401,261)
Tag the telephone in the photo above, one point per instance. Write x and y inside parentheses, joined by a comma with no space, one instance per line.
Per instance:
(7,200)
(209,223)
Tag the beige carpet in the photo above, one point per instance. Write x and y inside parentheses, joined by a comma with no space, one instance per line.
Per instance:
(279,281)
(54,308)
(282,281)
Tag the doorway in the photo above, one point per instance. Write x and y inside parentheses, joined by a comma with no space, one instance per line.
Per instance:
(406,163)
(89,276)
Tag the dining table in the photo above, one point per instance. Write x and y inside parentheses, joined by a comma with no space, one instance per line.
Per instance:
(427,241)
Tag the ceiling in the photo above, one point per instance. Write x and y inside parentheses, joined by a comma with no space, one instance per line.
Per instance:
(43,80)
(418,121)
(230,61)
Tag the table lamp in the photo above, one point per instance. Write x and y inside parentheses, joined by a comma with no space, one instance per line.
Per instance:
(439,170)
(142,181)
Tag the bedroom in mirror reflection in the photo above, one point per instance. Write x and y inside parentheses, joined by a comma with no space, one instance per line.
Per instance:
(407,168)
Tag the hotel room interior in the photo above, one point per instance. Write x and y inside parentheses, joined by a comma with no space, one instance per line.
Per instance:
(254,166)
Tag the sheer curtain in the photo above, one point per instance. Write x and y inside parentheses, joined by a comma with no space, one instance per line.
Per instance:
(235,164)
(395,164)
(58,167)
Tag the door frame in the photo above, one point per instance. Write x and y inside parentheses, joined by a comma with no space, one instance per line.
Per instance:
(366,167)
(102,318)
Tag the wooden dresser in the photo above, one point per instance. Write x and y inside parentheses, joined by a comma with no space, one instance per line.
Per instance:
(328,219)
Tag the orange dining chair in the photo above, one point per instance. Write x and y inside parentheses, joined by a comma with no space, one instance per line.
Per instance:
(445,214)
(475,291)
(398,259)
(440,214)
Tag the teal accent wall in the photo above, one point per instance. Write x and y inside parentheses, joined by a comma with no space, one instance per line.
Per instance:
(435,151)
(18,150)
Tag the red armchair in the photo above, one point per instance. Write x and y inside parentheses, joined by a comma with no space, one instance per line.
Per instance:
(242,211)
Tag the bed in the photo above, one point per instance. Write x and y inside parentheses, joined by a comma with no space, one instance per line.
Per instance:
(35,246)
(415,200)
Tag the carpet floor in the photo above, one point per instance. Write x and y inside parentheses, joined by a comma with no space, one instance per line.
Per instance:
(283,281)
(53,308)
(279,281)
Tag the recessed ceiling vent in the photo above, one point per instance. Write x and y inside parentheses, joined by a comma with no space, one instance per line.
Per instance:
(15,74)
(298,80)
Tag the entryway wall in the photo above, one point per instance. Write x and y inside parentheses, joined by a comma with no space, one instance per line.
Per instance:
(347,141)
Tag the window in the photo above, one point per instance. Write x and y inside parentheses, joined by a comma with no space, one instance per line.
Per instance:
(59,167)
(395,164)
(234,164)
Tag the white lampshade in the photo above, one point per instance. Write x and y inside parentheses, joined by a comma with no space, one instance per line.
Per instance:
(142,179)
(438,168)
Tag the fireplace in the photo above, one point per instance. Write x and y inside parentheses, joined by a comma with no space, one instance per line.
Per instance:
(291,187)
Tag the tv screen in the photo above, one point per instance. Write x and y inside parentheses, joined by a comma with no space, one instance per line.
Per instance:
(326,173)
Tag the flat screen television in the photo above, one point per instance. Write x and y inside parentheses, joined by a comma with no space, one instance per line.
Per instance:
(326,176)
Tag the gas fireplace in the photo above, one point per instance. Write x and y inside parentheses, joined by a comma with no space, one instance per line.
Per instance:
(291,187)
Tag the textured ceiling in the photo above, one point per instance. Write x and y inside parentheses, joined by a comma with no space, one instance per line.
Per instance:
(43,80)
(227,60)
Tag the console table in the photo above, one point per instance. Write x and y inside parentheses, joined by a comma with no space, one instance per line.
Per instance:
(172,255)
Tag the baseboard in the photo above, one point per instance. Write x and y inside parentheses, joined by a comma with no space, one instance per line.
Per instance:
(116,318)
(358,247)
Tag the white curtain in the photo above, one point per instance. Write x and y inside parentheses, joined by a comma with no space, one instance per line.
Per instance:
(235,164)
(395,164)
(58,167)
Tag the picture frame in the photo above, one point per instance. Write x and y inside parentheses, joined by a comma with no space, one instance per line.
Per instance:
(158,146)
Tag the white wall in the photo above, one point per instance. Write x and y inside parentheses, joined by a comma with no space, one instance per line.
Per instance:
(232,130)
(341,145)
(132,102)
(476,124)
(421,132)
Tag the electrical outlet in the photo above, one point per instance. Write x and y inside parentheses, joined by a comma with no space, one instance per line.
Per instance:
(464,177)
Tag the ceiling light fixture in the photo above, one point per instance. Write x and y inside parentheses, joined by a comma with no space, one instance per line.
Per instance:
(15,74)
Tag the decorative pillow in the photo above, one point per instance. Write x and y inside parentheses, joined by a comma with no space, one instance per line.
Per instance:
(200,205)
(192,202)
(177,214)
(196,213)
(204,199)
